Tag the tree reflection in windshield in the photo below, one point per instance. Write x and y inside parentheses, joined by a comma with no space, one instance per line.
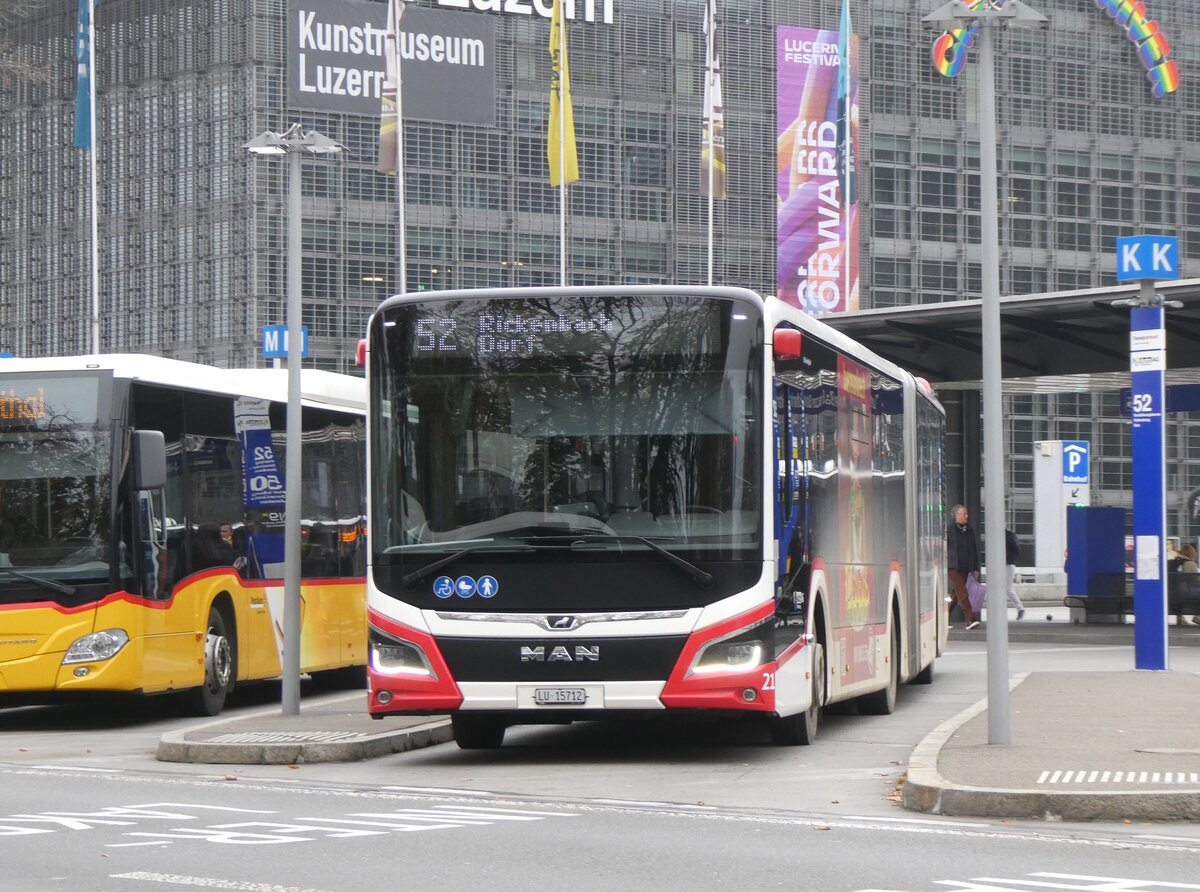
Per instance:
(630,416)
(54,498)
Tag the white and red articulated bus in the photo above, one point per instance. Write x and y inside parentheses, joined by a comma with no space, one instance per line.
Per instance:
(597,501)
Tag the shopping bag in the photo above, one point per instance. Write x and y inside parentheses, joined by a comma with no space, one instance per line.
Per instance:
(976,592)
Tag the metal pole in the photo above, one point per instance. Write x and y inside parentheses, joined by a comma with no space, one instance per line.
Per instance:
(401,223)
(291,524)
(999,731)
(711,204)
(92,172)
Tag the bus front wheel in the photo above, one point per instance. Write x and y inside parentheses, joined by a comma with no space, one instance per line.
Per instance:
(209,698)
(801,729)
(478,732)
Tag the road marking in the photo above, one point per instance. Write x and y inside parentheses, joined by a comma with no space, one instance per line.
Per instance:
(1088,776)
(130,845)
(780,818)
(1192,839)
(651,803)
(1078,883)
(206,882)
(920,821)
(279,829)
(77,768)
(448,790)
(1111,884)
(499,814)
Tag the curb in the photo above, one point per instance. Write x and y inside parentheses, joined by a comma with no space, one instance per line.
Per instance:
(925,790)
(174,746)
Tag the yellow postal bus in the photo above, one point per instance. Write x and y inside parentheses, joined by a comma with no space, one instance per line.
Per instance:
(141,526)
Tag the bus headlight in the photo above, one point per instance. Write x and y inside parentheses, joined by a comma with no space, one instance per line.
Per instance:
(728,656)
(96,646)
(390,656)
(737,651)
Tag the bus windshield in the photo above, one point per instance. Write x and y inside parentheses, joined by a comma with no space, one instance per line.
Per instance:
(595,421)
(54,482)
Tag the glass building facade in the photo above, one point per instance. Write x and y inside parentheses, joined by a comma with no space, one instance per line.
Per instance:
(192,229)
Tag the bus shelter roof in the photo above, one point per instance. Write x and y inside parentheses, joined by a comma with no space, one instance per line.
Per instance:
(1068,341)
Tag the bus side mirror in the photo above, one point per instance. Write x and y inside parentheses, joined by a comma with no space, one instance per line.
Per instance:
(148,460)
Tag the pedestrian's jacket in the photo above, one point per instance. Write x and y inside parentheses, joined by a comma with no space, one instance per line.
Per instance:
(1012,547)
(962,551)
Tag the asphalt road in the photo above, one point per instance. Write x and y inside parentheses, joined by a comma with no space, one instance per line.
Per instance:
(663,804)
(126,831)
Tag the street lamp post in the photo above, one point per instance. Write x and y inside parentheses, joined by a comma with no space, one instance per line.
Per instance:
(989,14)
(292,142)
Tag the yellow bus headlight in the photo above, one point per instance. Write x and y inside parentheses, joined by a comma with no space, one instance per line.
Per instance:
(96,646)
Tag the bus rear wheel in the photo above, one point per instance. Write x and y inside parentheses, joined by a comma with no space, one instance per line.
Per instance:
(925,676)
(801,729)
(884,702)
(478,732)
(209,698)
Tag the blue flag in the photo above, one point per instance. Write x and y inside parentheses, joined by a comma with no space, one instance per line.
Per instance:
(83,76)
(847,179)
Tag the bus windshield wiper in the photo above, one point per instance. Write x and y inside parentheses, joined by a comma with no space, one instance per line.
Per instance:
(59,587)
(420,573)
(697,575)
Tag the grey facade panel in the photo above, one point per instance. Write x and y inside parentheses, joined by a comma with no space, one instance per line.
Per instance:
(192,229)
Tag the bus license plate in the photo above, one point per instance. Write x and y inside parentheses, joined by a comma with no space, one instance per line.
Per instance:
(559,696)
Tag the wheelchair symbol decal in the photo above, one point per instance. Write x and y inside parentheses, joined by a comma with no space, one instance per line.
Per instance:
(443,586)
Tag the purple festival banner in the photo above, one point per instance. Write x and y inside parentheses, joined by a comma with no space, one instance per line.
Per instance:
(817,160)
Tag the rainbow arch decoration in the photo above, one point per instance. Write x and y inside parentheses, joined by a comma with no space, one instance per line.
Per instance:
(1154,51)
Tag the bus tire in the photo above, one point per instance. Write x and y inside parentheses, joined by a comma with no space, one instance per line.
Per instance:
(884,702)
(478,732)
(801,729)
(345,678)
(925,676)
(219,668)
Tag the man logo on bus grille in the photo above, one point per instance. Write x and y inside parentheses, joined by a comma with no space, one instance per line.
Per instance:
(560,654)
(565,623)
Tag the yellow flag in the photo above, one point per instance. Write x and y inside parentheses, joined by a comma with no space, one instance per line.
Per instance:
(712,146)
(560,137)
(388,123)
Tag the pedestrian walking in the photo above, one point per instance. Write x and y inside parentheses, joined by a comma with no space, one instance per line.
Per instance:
(962,560)
(1012,554)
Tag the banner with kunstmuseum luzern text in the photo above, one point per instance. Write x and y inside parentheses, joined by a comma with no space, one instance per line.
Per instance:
(336,62)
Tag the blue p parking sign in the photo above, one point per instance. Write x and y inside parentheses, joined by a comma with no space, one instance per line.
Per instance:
(1075,461)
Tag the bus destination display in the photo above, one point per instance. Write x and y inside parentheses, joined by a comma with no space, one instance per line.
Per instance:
(509,331)
(38,402)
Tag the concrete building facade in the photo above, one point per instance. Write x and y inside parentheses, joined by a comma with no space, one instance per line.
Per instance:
(192,229)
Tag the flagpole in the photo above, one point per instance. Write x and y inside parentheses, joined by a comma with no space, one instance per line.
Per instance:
(846,97)
(712,117)
(94,202)
(401,223)
(712,135)
(562,154)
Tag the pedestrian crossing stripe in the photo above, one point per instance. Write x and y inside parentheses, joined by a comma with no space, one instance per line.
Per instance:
(1100,776)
